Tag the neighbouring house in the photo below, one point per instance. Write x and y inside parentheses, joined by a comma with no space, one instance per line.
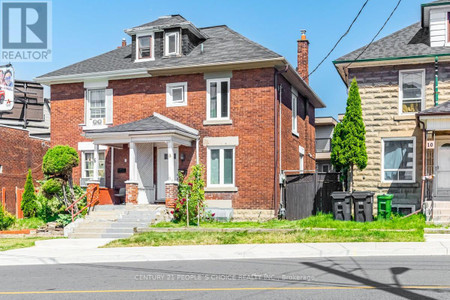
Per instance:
(404,81)
(324,134)
(24,139)
(179,95)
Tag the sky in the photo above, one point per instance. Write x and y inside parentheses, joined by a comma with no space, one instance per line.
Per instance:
(85,28)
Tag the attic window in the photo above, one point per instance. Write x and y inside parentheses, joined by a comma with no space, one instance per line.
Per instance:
(172,43)
(144,47)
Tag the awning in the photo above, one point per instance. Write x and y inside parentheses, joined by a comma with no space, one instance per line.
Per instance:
(437,117)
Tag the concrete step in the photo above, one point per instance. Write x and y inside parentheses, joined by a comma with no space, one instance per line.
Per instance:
(119,230)
(116,235)
(441,211)
(90,230)
(437,237)
(129,224)
(440,218)
(85,235)
(442,230)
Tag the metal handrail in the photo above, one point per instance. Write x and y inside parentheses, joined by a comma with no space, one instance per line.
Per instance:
(88,204)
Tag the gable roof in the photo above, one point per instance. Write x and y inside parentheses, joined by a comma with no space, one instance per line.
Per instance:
(153,124)
(412,41)
(164,21)
(223,45)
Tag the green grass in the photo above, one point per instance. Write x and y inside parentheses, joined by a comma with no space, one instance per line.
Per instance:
(27,223)
(377,231)
(318,221)
(16,243)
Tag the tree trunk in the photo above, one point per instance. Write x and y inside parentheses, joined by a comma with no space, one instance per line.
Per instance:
(72,192)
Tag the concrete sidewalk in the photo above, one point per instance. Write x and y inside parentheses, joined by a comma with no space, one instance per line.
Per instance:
(74,251)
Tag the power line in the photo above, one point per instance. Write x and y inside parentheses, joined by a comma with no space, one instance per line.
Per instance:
(376,35)
(340,39)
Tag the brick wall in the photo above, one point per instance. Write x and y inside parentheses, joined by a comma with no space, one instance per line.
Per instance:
(19,153)
(379,89)
(252,113)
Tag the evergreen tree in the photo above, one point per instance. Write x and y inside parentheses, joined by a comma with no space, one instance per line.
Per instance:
(29,205)
(349,137)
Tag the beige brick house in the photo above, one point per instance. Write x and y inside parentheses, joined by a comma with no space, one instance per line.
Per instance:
(404,81)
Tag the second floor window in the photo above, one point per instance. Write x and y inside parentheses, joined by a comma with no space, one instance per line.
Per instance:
(98,107)
(412,91)
(144,44)
(294,113)
(218,99)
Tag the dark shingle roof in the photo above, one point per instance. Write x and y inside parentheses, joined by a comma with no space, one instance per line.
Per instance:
(223,45)
(410,41)
(152,123)
(171,20)
(441,109)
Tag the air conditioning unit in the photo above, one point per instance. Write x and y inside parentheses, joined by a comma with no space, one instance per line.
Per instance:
(97,122)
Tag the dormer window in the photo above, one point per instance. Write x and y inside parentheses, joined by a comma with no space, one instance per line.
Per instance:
(172,43)
(144,47)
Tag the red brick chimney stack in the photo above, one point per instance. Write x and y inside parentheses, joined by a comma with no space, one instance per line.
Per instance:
(124,42)
(303,56)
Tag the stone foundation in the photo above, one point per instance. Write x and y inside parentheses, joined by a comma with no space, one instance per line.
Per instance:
(131,192)
(171,194)
(253,215)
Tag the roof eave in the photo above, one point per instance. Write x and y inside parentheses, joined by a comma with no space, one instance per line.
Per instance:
(184,25)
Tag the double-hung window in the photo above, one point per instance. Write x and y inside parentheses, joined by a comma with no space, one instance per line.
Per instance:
(398,159)
(144,47)
(172,43)
(412,91)
(98,107)
(220,166)
(176,94)
(294,103)
(88,166)
(218,99)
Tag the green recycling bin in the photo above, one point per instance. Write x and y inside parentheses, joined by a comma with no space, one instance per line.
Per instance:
(385,206)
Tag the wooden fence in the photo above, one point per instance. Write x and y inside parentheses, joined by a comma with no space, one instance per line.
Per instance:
(307,194)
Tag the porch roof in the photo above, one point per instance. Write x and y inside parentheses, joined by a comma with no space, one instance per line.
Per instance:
(441,109)
(155,125)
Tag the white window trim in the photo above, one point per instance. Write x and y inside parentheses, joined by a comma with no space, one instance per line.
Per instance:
(400,90)
(169,99)
(447,41)
(83,162)
(152,46)
(294,120)
(88,121)
(301,158)
(177,43)
(219,105)
(413,139)
(221,174)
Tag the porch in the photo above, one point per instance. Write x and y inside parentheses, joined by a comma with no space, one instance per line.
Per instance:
(153,145)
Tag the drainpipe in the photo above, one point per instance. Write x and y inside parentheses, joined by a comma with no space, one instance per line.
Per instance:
(436,81)
(197,155)
(277,148)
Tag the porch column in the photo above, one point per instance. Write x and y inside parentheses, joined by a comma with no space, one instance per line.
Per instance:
(171,184)
(132,184)
(96,163)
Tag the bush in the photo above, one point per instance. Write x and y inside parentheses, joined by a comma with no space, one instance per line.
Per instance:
(59,161)
(6,219)
(29,205)
(191,188)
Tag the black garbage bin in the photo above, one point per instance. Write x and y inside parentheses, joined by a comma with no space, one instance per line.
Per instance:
(363,206)
(342,206)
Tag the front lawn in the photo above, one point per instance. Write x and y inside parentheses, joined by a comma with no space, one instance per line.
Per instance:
(27,223)
(305,231)
(16,243)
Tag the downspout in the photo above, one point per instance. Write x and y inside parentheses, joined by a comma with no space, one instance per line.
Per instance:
(277,143)
(197,155)
(436,81)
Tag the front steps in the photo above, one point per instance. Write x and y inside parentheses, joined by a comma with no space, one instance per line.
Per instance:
(115,221)
(440,212)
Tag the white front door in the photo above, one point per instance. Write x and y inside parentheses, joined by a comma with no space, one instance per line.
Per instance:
(163,174)
(442,169)
(144,162)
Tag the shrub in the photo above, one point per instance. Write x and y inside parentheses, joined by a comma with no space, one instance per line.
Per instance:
(6,219)
(191,193)
(59,161)
(29,205)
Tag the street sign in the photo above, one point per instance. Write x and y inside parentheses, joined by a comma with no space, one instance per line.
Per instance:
(430,144)
(6,88)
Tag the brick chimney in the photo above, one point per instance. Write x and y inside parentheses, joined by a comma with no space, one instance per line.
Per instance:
(302,56)
(124,42)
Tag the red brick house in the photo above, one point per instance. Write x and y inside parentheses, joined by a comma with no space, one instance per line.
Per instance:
(181,95)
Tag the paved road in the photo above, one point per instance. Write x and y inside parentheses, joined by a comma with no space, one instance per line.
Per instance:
(412,277)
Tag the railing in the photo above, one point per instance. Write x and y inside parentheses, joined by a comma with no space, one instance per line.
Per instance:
(323,145)
(88,204)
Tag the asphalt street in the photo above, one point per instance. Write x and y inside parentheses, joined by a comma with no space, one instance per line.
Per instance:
(412,277)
